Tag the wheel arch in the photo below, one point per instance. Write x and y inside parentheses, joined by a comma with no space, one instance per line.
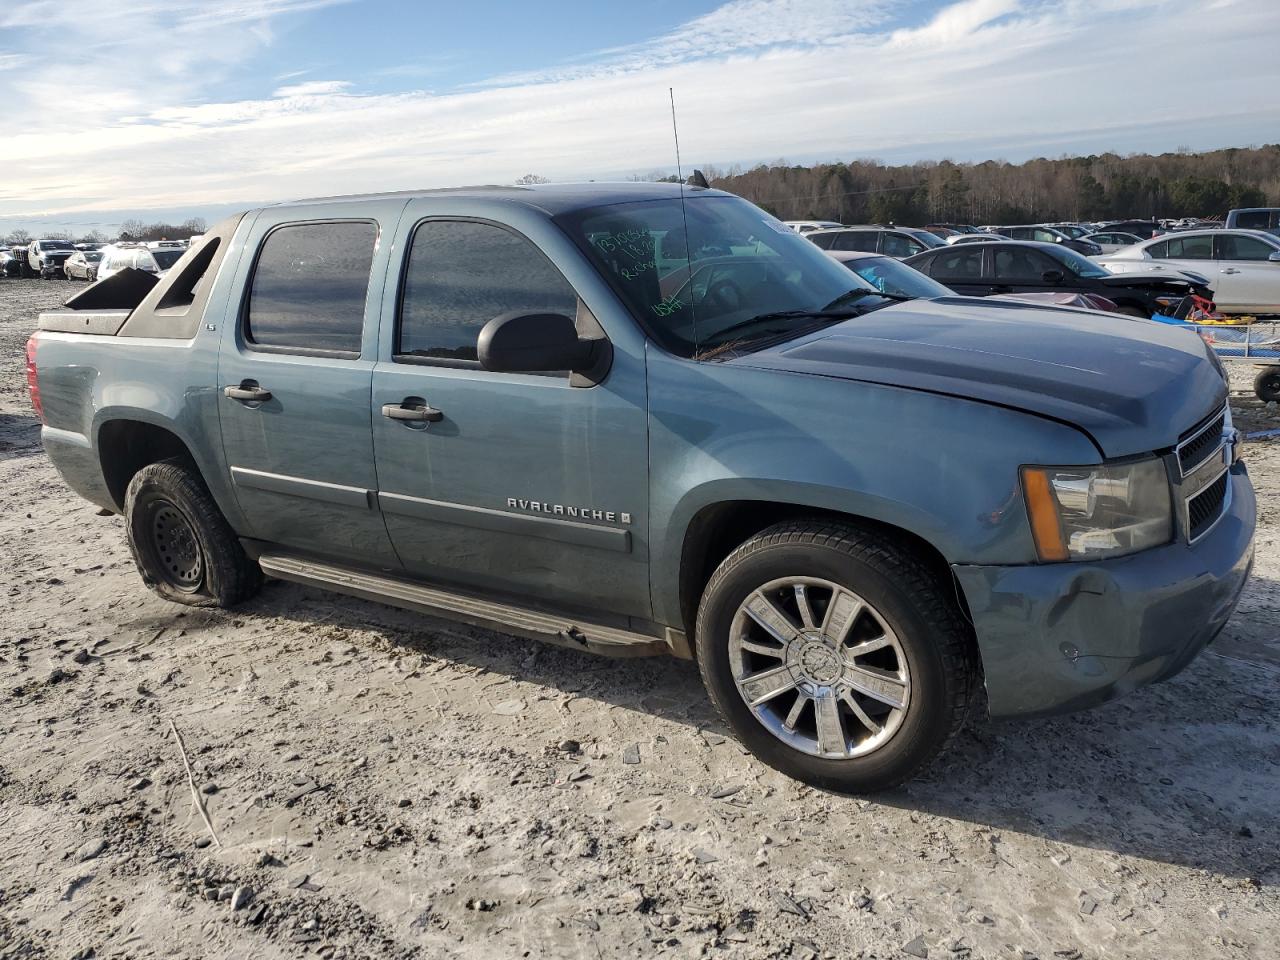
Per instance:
(126,444)
(717,528)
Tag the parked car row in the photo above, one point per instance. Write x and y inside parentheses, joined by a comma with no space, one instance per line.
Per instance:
(55,259)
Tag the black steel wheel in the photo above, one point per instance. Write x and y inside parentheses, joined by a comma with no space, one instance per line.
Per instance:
(183,546)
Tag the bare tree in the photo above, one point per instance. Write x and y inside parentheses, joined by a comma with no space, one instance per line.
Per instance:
(19,237)
(531,178)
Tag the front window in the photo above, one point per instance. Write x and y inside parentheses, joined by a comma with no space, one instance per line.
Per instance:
(892,276)
(1234,246)
(703,287)
(1080,265)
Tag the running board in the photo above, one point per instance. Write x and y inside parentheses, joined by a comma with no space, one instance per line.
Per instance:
(487,614)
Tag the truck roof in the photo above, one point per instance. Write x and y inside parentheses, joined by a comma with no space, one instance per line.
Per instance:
(551,198)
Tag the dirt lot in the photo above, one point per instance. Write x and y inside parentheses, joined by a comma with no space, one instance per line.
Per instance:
(383,785)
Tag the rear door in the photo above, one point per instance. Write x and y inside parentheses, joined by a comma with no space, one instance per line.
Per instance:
(522,484)
(295,370)
(960,268)
(862,241)
(1246,279)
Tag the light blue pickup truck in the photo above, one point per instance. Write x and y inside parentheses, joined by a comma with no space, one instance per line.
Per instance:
(647,418)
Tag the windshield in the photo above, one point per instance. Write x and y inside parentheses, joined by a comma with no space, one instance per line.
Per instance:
(166,258)
(1080,265)
(93,256)
(893,276)
(56,245)
(745,264)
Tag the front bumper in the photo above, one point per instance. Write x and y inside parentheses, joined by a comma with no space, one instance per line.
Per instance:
(1065,636)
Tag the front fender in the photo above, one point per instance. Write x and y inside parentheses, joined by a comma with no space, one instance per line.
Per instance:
(942,468)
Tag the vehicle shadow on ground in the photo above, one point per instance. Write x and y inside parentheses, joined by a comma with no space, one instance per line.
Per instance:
(1183,772)
(19,435)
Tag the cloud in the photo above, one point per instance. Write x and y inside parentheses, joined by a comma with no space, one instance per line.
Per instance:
(817,79)
(312,88)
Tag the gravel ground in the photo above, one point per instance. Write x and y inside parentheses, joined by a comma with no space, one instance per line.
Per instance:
(386,785)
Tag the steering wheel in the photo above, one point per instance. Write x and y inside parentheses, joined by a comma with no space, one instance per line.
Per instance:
(725,294)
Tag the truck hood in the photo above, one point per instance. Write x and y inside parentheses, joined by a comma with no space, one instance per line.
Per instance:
(1132,385)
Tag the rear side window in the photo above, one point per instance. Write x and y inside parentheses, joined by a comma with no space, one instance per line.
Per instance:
(309,287)
(1253,220)
(862,241)
(1191,248)
(957,265)
(461,275)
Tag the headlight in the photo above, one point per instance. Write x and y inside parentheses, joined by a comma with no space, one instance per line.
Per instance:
(1086,513)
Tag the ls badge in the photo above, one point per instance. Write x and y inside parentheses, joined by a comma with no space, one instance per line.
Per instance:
(560,510)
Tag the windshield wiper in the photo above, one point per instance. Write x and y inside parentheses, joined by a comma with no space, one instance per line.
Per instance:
(857,293)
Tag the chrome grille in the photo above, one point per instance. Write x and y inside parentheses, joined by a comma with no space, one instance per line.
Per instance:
(1200,443)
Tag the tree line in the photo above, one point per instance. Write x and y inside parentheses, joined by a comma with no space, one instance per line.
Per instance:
(1100,187)
(134,231)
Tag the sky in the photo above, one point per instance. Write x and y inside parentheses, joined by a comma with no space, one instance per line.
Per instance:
(165,109)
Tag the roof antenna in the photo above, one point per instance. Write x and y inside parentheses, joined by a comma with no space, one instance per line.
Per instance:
(684,216)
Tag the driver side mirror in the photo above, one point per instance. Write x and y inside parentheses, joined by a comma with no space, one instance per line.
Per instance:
(1051,276)
(542,343)
(1275,257)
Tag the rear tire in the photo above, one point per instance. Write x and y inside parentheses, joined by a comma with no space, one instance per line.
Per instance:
(183,546)
(842,730)
(1267,384)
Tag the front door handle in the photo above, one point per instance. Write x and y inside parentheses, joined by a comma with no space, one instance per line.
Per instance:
(414,409)
(247,392)
(1231,270)
(1002,288)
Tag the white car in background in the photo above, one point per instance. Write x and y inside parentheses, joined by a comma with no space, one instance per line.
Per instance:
(973,238)
(808,226)
(1112,241)
(117,258)
(1242,266)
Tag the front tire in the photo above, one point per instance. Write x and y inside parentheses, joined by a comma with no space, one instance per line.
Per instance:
(1267,384)
(184,548)
(836,655)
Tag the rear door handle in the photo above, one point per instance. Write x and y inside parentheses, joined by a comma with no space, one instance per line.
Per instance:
(1001,288)
(413,409)
(247,392)
(1231,270)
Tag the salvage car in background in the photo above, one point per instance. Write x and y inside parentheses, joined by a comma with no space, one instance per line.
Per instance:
(1018,266)
(898,242)
(808,226)
(1254,218)
(82,265)
(1043,234)
(1244,265)
(889,275)
(1112,240)
(116,258)
(46,257)
(10,265)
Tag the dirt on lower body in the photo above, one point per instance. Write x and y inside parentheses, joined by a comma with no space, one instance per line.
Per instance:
(381,784)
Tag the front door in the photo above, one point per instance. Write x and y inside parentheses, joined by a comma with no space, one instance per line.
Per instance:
(1020,269)
(295,371)
(1246,279)
(524,484)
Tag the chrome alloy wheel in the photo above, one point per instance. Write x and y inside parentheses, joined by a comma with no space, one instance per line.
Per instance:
(819,667)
